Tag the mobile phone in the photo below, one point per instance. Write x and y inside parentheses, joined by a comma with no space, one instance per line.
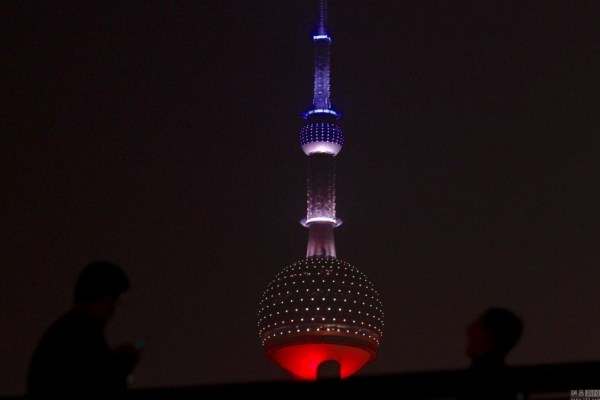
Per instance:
(140,343)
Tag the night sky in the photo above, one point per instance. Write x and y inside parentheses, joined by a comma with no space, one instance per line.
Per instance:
(163,136)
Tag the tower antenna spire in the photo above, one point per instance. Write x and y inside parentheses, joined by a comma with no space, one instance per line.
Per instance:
(322,43)
(323,18)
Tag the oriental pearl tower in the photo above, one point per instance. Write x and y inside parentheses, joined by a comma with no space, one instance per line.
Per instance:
(320,309)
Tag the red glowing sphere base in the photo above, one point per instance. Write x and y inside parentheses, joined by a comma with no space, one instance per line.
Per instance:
(303,360)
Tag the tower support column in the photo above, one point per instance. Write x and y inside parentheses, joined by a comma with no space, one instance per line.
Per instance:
(320,240)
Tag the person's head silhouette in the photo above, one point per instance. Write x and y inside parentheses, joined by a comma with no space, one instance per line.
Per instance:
(98,288)
(493,335)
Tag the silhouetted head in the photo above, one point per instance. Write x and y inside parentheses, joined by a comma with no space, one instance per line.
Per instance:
(493,333)
(98,288)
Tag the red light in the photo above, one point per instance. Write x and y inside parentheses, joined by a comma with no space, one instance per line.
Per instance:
(302,360)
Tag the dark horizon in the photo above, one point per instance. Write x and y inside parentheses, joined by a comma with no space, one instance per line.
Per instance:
(164,137)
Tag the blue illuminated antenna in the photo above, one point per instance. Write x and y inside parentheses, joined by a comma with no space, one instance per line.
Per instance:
(323,18)
(322,43)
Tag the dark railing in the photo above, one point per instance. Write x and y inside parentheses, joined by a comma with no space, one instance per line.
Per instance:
(548,382)
(555,381)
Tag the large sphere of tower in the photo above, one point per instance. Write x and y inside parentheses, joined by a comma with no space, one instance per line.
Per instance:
(320,309)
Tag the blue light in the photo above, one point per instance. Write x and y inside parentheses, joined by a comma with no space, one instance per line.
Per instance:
(322,37)
(321,111)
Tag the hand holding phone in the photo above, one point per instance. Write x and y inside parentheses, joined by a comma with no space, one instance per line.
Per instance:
(141,343)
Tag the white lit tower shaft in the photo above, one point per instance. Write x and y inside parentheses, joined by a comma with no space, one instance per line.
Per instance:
(321,139)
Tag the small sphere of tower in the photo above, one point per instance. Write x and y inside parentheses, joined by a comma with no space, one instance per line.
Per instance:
(321,133)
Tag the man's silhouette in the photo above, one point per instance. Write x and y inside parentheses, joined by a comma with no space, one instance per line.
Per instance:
(491,336)
(73,357)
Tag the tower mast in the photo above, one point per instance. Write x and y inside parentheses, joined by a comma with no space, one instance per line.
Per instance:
(320,310)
